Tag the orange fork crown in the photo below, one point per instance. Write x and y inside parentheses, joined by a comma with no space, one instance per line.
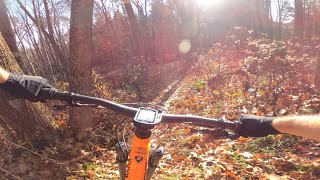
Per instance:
(139,155)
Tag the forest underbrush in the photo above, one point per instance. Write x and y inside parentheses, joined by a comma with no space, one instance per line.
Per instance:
(241,75)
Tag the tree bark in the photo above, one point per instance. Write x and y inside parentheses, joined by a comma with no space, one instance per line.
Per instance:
(278,34)
(24,119)
(268,13)
(134,26)
(298,18)
(8,35)
(317,73)
(260,16)
(81,61)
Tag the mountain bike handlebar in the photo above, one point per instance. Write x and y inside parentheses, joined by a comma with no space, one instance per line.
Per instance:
(131,111)
(141,163)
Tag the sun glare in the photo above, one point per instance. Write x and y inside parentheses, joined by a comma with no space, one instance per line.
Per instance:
(206,3)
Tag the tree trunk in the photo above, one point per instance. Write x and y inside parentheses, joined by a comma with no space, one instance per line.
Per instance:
(134,26)
(317,21)
(278,34)
(23,118)
(298,18)
(57,62)
(8,35)
(260,21)
(268,13)
(317,73)
(81,61)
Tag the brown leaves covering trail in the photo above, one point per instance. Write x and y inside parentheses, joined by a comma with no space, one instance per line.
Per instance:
(260,77)
(216,87)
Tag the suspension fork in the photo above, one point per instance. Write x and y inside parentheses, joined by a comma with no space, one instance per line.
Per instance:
(154,160)
(140,165)
(122,152)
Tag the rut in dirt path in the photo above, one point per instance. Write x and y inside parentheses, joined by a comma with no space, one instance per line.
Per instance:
(170,93)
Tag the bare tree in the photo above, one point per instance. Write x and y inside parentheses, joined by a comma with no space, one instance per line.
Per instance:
(134,26)
(49,35)
(298,18)
(268,12)
(285,10)
(264,17)
(81,60)
(9,36)
(317,73)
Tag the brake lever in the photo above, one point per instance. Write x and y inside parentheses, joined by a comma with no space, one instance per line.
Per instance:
(74,104)
(65,106)
(233,136)
(60,107)
(227,135)
(78,104)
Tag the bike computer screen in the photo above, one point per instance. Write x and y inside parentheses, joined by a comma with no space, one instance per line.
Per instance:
(147,116)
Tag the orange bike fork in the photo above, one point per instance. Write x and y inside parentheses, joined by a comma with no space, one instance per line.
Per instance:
(138,158)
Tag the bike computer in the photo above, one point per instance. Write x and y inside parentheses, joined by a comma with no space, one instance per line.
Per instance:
(147,116)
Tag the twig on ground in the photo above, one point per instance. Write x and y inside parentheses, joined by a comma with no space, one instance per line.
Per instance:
(19,146)
(13,176)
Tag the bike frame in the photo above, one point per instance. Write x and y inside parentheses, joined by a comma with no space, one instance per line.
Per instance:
(138,158)
(139,164)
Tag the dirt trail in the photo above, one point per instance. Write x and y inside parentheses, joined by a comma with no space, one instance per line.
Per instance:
(166,94)
(174,95)
(171,93)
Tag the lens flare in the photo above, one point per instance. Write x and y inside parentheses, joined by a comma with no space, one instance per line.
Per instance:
(185,46)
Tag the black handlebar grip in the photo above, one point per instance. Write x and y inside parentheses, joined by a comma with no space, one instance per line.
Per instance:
(52,93)
(46,93)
